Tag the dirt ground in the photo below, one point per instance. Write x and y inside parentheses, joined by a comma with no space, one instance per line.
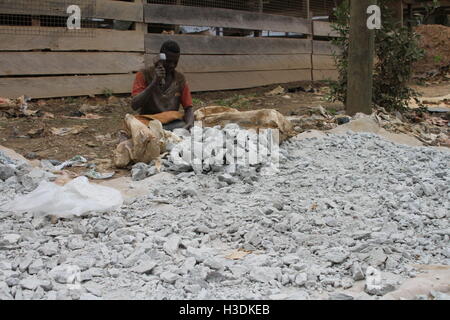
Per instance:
(32,137)
(99,133)
(435,41)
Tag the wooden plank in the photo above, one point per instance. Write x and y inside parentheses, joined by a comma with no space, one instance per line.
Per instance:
(49,87)
(61,39)
(197,44)
(54,63)
(119,10)
(325,75)
(323,28)
(106,9)
(240,80)
(216,17)
(221,63)
(323,62)
(324,47)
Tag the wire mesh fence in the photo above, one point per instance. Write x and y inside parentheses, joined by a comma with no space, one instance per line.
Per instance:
(32,17)
(319,9)
(296,8)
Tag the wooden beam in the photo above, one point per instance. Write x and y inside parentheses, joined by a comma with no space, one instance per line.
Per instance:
(360,59)
(325,47)
(60,39)
(119,10)
(66,63)
(323,28)
(106,9)
(197,44)
(215,17)
(228,63)
(320,75)
(65,86)
(323,62)
(240,80)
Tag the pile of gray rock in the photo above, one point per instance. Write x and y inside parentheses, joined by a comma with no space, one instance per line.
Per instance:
(340,207)
(228,150)
(18,176)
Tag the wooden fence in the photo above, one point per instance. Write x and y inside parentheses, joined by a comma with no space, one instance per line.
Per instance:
(52,64)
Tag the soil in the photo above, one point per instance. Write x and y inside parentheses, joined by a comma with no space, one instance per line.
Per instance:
(100,137)
(435,40)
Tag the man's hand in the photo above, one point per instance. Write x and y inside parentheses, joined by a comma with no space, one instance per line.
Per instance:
(189,118)
(160,72)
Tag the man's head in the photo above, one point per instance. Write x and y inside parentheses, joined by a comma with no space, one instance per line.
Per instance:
(172,51)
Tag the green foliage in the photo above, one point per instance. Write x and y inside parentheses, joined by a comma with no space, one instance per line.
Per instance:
(107,92)
(197,102)
(437,59)
(70,100)
(396,50)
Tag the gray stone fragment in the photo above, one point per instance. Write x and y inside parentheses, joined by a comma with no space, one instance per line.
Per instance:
(297,295)
(188,265)
(49,249)
(375,284)
(200,254)
(36,266)
(93,288)
(139,171)
(357,272)
(263,274)
(380,290)
(145,267)
(5,265)
(66,274)
(10,239)
(189,192)
(213,263)
(29,283)
(340,296)
(25,263)
(6,171)
(76,243)
(301,278)
(227,178)
(169,277)
(439,295)
(336,255)
(172,244)
(290,259)
(89,296)
(5,293)
(376,257)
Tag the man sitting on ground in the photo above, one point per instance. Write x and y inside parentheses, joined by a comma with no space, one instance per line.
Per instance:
(159,90)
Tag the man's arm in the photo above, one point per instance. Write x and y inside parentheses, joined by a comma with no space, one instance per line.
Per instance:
(143,98)
(189,117)
(187,103)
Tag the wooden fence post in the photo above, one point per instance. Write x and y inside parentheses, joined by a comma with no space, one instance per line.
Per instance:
(360,59)
(141,26)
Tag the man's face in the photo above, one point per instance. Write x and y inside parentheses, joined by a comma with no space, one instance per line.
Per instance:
(171,61)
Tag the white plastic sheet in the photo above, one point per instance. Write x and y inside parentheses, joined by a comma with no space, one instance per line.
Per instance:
(73,199)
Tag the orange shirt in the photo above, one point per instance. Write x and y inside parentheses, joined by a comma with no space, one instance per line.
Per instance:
(140,84)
